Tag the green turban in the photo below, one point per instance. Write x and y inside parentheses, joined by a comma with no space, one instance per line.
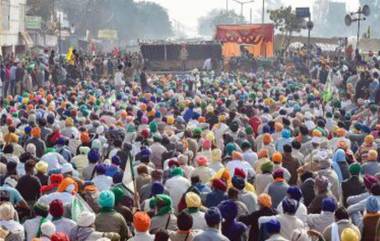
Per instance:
(153,127)
(119,193)
(230,147)
(177,172)
(197,132)
(267,167)
(355,169)
(249,130)
(163,203)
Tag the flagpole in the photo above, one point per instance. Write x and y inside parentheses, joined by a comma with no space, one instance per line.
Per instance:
(135,193)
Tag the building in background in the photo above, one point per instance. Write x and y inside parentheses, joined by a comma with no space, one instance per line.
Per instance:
(13,37)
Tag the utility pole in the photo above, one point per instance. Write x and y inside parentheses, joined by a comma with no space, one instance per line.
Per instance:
(242,3)
(226,5)
(250,15)
(357,17)
(263,13)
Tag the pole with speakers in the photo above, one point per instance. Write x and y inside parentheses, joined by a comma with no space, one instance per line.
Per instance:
(357,17)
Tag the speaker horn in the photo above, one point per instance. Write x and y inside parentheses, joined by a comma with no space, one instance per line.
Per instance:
(366,10)
(348,20)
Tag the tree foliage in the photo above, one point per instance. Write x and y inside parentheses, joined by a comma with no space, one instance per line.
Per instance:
(207,24)
(133,20)
(286,22)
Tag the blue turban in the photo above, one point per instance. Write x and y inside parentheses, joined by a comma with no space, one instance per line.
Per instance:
(157,188)
(61,141)
(295,193)
(339,156)
(372,204)
(101,169)
(286,134)
(118,177)
(116,160)
(266,129)
(213,216)
(93,156)
(365,129)
(328,204)
(28,129)
(228,209)
(289,206)
(238,183)
(196,115)
(273,226)
(145,153)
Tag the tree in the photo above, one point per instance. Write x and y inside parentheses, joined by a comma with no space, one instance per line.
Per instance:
(131,19)
(207,24)
(286,22)
(154,22)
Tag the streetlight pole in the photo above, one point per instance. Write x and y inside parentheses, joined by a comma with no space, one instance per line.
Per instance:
(250,15)
(263,13)
(357,17)
(358,33)
(59,36)
(242,3)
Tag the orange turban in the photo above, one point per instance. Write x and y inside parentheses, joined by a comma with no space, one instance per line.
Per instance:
(237,155)
(143,107)
(85,137)
(316,133)
(226,175)
(265,200)
(267,139)
(277,157)
(278,126)
(141,221)
(11,138)
(263,153)
(29,107)
(123,114)
(340,132)
(68,184)
(202,119)
(36,132)
(343,145)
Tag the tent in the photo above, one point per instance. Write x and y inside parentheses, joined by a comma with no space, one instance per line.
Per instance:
(258,39)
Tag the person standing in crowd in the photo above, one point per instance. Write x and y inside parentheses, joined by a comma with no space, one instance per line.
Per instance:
(213,219)
(279,152)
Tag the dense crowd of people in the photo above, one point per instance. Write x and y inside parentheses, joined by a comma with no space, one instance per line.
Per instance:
(101,149)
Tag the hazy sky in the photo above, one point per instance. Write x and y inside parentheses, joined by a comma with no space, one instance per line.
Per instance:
(187,12)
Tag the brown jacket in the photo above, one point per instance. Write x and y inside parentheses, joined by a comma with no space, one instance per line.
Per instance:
(291,165)
(369,226)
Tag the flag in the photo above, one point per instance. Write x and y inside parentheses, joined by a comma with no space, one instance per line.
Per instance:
(327,93)
(70,56)
(79,205)
(129,176)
